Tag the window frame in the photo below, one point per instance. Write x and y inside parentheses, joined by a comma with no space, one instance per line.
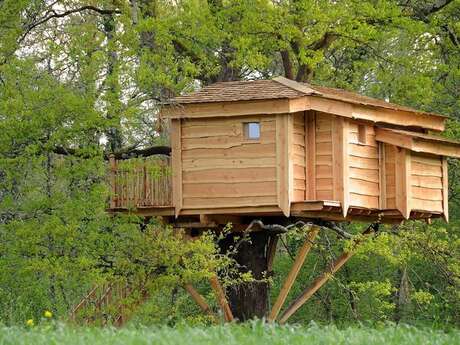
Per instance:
(246,131)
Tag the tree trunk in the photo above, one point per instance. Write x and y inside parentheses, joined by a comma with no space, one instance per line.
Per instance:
(249,300)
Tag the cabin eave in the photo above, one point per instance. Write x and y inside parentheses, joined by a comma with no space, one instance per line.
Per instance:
(376,115)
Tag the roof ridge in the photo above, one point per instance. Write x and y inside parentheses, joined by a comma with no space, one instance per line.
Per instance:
(304,88)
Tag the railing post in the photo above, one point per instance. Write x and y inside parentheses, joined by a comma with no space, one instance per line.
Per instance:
(145,189)
(113,180)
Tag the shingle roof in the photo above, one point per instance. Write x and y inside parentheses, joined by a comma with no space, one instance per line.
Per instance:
(280,88)
(239,91)
(356,98)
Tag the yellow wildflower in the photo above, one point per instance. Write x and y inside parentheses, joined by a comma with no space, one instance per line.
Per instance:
(48,314)
(30,322)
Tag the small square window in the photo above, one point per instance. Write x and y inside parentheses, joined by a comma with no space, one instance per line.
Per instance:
(362,134)
(251,130)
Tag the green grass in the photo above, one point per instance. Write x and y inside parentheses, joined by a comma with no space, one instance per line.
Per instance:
(253,333)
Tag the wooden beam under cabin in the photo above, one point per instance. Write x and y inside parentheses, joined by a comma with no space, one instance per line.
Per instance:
(293,273)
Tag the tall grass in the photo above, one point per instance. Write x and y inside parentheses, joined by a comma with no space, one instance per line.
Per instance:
(255,333)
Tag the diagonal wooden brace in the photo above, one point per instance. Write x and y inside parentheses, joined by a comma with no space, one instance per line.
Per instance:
(198,299)
(290,279)
(323,278)
(221,299)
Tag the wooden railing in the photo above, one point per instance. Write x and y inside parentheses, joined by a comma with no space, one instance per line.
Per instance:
(110,303)
(140,183)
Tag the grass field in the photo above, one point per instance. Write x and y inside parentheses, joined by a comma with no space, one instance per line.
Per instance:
(249,334)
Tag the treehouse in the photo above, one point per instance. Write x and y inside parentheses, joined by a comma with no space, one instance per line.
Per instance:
(268,153)
(287,149)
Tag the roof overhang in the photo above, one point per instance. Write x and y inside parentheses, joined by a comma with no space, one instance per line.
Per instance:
(418,142)
(310,102)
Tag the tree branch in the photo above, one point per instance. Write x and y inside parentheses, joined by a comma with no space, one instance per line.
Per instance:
(53,14)
(119,155)
(424,12)
(287,64)
(149,151)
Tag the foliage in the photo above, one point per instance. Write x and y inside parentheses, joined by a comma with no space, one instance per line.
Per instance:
(404,274)
(251,333)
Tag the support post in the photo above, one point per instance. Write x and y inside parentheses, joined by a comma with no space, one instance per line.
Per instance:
(323,278)
(290,279)
(221,299)
(198,299)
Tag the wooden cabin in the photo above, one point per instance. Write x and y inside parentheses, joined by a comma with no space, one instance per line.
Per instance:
(286,149)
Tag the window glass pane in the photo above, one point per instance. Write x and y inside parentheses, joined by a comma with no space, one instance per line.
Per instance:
(253,130)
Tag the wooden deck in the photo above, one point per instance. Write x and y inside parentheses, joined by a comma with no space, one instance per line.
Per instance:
(144,187)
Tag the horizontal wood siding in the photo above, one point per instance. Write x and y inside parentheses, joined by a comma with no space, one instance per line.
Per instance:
(323,159)
(220,168)
(426,182)
(363,162)
(298,156)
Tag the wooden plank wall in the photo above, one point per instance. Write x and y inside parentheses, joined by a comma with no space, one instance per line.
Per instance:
(426,182)
(323,157)
(363,168)
(220,168)
(298,156)
(390,176)
(284,161)
(340,158)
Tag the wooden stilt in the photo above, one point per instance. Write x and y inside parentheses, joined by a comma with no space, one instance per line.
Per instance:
(317,283)
(198,299)
(299,260)
(221,299)
(323,278)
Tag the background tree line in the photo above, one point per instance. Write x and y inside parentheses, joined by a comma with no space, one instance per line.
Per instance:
(82,79)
